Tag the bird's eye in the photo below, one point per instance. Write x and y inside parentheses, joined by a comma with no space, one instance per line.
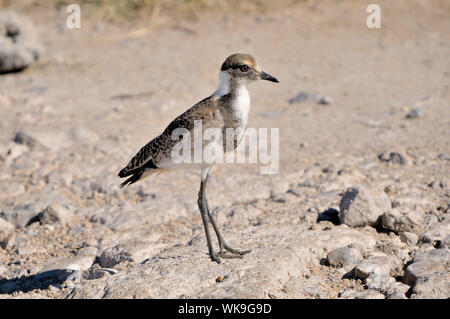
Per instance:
(244,68)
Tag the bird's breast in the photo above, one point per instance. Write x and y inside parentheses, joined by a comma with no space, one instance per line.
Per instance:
(240,108)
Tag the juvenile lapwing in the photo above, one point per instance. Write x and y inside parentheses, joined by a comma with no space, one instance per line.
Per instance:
(227,108)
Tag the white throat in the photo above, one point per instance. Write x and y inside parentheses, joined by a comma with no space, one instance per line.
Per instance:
(240,103)
(224,86)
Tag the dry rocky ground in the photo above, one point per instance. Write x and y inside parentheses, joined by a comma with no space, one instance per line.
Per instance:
(358,209)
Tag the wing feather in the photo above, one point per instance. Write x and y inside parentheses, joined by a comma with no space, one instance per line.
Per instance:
(152,153)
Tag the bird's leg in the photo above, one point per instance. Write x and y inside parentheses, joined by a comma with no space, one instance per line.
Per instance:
(222,243)
(204,211)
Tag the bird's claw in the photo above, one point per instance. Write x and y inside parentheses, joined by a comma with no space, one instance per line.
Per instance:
(235,251)
(215,257)
(228,253)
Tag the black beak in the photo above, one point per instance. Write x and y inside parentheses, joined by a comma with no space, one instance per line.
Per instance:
(264,76)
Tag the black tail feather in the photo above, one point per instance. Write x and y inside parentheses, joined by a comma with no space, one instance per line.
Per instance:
(127,171)
(132,179)
(123,172)
(136,173)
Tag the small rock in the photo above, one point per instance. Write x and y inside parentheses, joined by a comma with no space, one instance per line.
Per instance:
(437,232)
(344,256)
(398,287)
(430,221)
(381,265)
(414,113)
(420,250)
(445,243)
(302,97)
(314,292)
(8,242)
(385,284)
(305,96)
(87,251)
(360,206)
(15,151)
(61,269)
(380,282)
(134,251)
(19,47)
(26,249)
(429,262)
(43,140)
(432,286)
(409,238)
(96,273)
(392,157)
(89,248)
(325,100)
(27,139)
(55,214)
(401,221)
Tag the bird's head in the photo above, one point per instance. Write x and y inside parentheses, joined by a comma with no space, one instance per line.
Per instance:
(243,67)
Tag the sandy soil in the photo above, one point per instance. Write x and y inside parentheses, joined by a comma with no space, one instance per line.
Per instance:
(101,92)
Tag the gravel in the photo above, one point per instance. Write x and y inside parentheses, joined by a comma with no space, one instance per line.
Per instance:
(344,256)
(361,206)
(409,238)
(315,228)
(430,262)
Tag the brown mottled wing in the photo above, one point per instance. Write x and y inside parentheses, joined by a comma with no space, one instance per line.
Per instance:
(161,146)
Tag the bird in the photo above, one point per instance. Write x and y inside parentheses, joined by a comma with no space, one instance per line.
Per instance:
(227,108)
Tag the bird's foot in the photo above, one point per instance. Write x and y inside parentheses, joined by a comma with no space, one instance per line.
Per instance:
(239,253)
(227,255)
(215,257)
(227,252)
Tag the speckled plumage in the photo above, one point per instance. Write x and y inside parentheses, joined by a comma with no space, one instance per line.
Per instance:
(228,107)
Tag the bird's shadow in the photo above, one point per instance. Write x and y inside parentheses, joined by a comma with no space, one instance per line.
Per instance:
(41,281)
